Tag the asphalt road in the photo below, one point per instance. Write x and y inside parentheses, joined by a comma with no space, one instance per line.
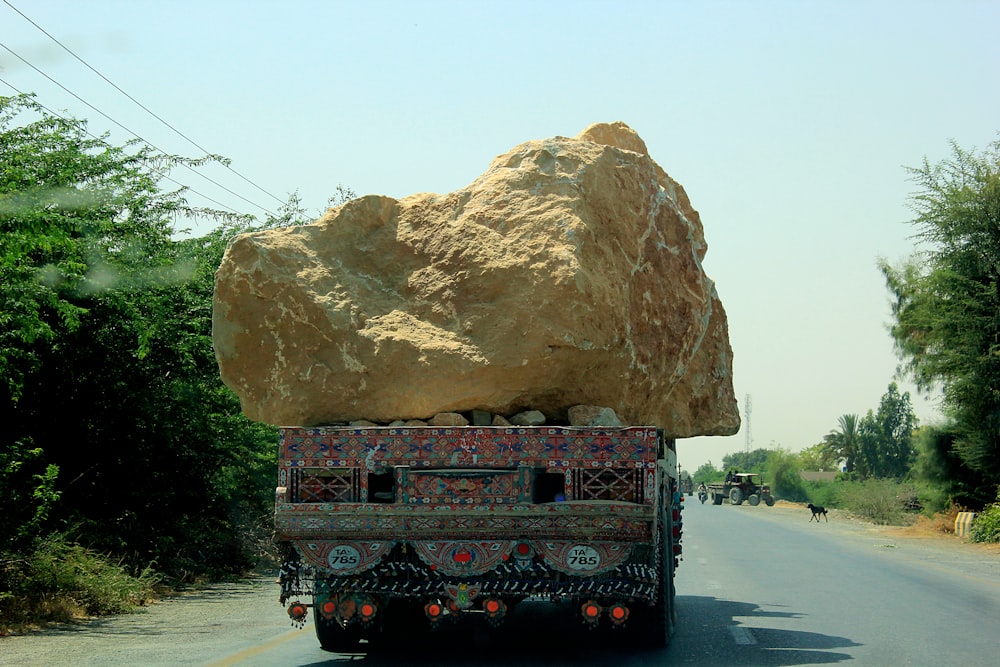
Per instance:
(758,586)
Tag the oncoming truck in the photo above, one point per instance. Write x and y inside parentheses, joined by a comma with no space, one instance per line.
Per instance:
(461,524)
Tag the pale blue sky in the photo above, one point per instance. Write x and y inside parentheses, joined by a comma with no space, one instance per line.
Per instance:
(788,123)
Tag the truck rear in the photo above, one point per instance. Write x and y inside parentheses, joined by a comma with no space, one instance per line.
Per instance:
(450,523)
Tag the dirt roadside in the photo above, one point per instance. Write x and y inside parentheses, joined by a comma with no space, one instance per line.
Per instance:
(925,540)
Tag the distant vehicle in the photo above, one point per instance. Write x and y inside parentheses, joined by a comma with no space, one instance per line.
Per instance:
(687,484)
(742,486)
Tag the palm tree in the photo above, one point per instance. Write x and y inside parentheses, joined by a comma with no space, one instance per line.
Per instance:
(844,442)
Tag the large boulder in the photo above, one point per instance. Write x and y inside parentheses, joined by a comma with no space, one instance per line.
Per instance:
(569,273)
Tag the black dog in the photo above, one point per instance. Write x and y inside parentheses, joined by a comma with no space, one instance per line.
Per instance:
(816,511)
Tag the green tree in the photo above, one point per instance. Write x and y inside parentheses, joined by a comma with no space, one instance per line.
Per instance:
(706,473)
(885,438)
(938,465)
(783,475)
(819,457)
(946,298)
(752,461)
(842,444)
(117,428)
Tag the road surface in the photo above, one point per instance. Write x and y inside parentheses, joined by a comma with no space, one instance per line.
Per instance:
(758,586)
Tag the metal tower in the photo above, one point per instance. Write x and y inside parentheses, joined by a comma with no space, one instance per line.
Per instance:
(747,409)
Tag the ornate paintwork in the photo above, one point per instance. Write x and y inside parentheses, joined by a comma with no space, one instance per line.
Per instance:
(461,513)
(470,446)
(462,558)
(580,559)
(343,557)
(583,520)
(462,486)
(401,575)
(469,483)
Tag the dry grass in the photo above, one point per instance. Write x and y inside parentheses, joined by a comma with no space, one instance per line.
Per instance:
(942,523)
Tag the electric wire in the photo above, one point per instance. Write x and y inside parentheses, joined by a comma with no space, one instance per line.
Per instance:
(134,134)
(161,173)
(137,102)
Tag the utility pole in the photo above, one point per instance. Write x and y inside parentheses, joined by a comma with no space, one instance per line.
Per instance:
(747,409)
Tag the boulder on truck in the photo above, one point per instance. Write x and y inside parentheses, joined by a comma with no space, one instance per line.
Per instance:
(480,393)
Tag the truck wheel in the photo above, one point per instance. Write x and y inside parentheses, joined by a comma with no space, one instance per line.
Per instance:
(717,498)
(754,500)
(334,638)
(658,621)
(736,496)
(769,501)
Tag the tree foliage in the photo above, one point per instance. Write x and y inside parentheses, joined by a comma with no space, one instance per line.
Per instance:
(884,447)
(818,458)
(752,461)
(707,472)
(842,444)
(946,298)
(118,432)
(783,475)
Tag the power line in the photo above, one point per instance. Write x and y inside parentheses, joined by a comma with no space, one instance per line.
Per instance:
(135,134)
(137,102)
(162,173)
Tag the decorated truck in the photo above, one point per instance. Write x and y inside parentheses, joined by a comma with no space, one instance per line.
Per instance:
(461,524)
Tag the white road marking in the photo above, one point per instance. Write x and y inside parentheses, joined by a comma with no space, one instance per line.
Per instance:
(742,635)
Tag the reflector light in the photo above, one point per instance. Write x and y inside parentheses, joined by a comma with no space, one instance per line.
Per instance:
(523,549)
(433,610)
(492,606)
(677,514)
(619,613)
(297,611)
(677,531)
(591,611)
(327,609)
(367,611)
(677,548)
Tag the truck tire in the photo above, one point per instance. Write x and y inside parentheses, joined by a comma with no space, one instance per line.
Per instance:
(334,638)
(736,496)
(769,501)
(754,500)
(717,498)
(657,624)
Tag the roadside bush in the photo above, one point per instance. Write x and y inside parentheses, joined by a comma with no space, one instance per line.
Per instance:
(826,494)
(874,499)
(986,526)
(60,580)
(783,471)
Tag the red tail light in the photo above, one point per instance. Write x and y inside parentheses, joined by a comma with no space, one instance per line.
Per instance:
(367,611)
(297,612)
(434,611)
(618,614)
(591,612)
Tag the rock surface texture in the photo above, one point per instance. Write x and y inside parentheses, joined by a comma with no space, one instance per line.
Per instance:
(568,273)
